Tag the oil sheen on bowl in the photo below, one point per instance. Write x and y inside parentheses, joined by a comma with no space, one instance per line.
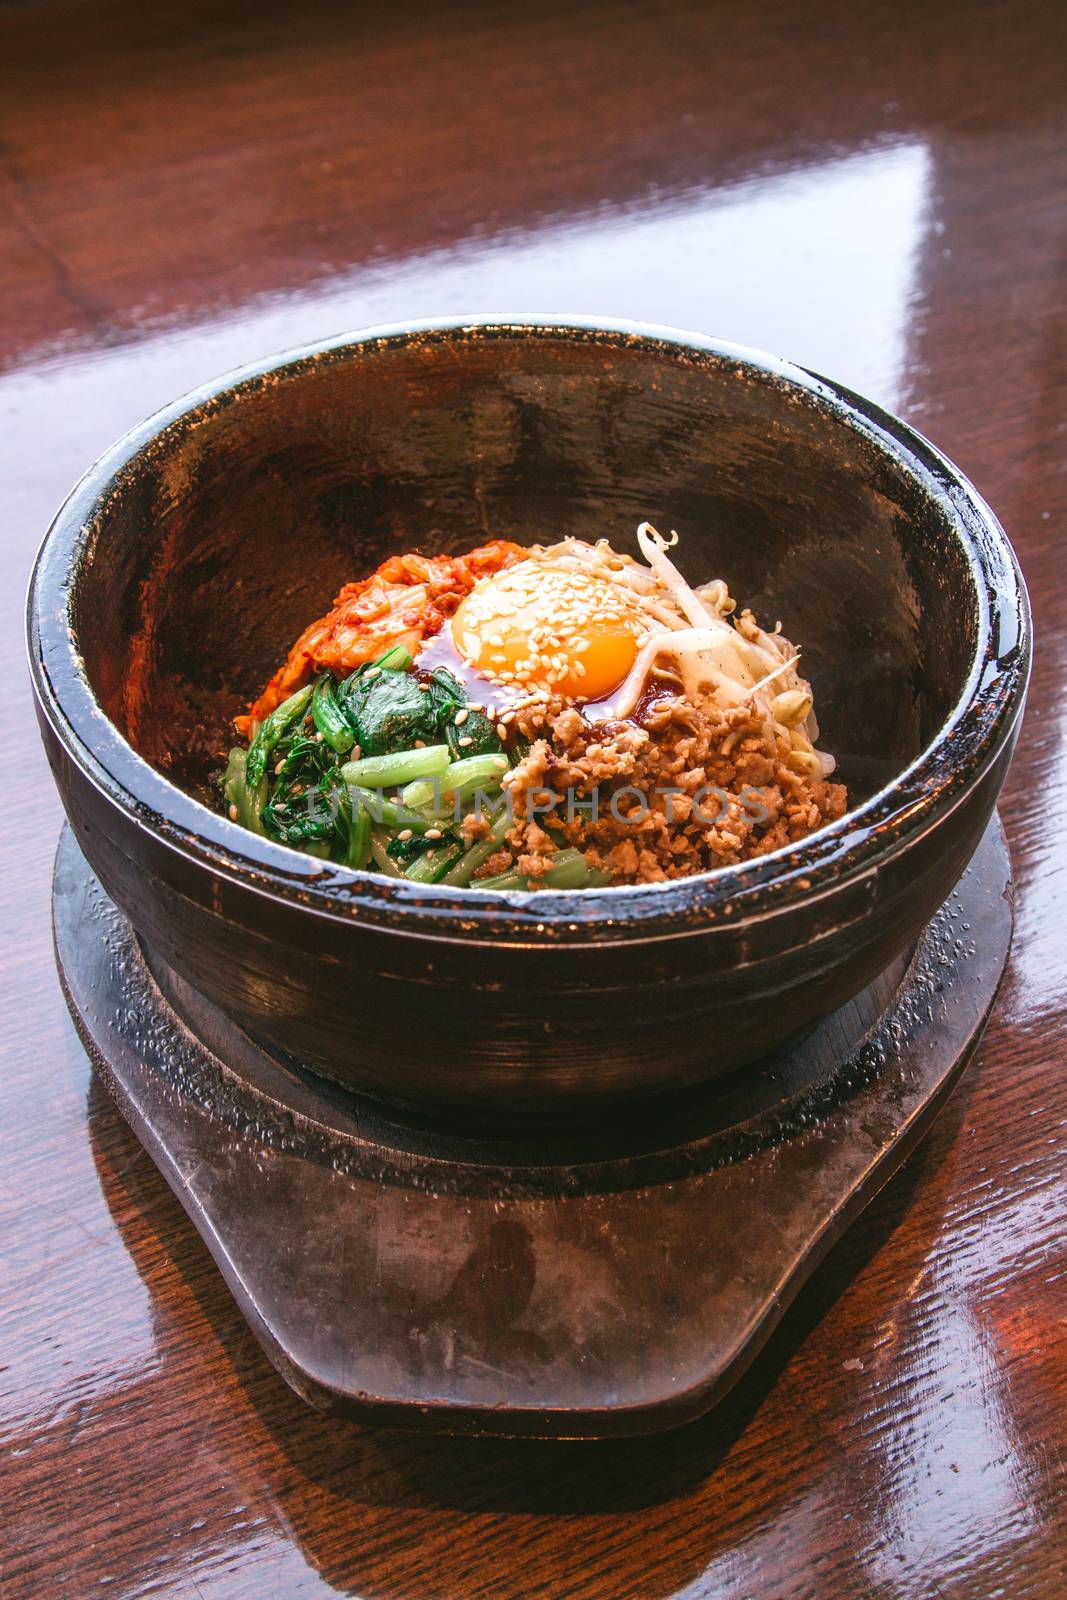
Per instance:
(185,562)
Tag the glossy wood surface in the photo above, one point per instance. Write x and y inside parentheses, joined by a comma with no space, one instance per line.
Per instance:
(877,191)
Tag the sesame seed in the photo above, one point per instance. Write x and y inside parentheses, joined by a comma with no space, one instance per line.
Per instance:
(404,835)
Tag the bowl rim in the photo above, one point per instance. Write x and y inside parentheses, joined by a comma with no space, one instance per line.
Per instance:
(892,820)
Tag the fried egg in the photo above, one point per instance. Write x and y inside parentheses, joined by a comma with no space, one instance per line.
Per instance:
(539,626)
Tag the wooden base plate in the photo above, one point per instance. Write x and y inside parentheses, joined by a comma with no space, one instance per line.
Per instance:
(613,1279)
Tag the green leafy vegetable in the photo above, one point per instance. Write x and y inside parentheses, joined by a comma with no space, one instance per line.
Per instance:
(459,781)
(380,809)
(379,849)
(271,730)
(432,864)
(425,758)
(380,772)
(474,734)
(301,759)
(247,803)
(328,717)
(359,827)
(568,871)
(460,875)
(397,659)
(512,879)
(387,710)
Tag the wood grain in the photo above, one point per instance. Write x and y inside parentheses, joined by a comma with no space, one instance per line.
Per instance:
(875,190)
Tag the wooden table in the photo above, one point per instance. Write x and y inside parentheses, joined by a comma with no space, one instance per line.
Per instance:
(877,191)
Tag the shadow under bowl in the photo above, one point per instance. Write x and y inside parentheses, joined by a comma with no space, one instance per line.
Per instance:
(181,568)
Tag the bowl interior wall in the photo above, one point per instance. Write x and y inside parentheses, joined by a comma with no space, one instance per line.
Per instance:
(237,525)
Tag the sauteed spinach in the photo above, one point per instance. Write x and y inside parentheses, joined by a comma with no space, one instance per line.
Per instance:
(379,770)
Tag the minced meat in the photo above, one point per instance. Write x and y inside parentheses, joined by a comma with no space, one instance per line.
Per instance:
(686,789)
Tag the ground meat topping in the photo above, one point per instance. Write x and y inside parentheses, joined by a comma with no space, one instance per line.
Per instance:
(689,788)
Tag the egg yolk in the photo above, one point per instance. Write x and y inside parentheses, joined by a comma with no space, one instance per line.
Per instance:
(536,625)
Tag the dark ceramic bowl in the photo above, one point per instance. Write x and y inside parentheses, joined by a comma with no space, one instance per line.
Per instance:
(182,566)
